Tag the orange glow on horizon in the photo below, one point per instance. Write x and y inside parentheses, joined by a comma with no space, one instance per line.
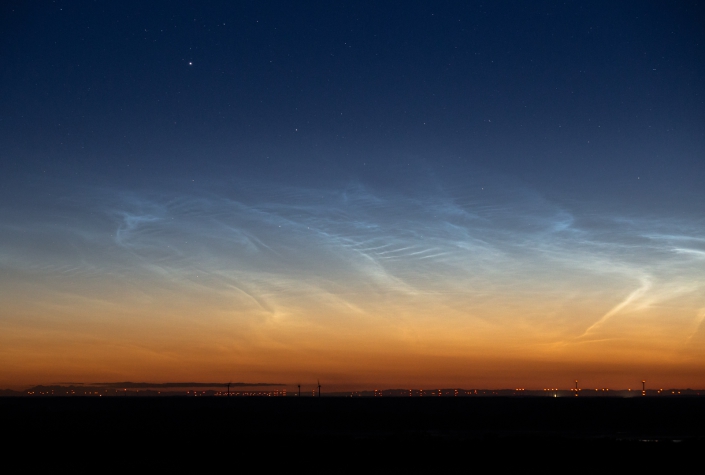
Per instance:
(385,344)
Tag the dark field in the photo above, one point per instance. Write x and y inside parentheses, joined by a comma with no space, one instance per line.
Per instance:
(398,431)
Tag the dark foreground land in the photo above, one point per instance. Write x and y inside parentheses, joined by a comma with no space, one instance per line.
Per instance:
(401,431)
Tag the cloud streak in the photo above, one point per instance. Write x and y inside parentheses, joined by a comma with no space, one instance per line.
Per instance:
(636,295)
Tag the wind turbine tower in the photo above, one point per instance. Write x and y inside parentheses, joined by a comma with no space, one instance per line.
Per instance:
(299,386)
(319,388)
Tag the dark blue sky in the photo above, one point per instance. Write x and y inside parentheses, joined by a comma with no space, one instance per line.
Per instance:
(572,96)
(411,147)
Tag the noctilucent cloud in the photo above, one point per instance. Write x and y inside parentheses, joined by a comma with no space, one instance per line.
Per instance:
(367,194)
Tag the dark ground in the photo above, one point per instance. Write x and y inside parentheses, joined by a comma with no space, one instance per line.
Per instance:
(395,432)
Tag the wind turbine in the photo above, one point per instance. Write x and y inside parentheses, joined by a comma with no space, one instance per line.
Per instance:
(319,388)
(228,389)
(299,386)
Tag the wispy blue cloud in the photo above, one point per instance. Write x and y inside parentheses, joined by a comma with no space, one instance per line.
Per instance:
(367,249)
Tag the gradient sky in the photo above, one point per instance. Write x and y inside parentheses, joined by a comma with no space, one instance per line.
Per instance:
(389,194)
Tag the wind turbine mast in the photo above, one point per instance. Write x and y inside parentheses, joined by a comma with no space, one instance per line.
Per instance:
(299,386)
(319,388)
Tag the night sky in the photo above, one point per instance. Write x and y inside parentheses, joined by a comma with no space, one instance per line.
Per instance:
(388,194)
